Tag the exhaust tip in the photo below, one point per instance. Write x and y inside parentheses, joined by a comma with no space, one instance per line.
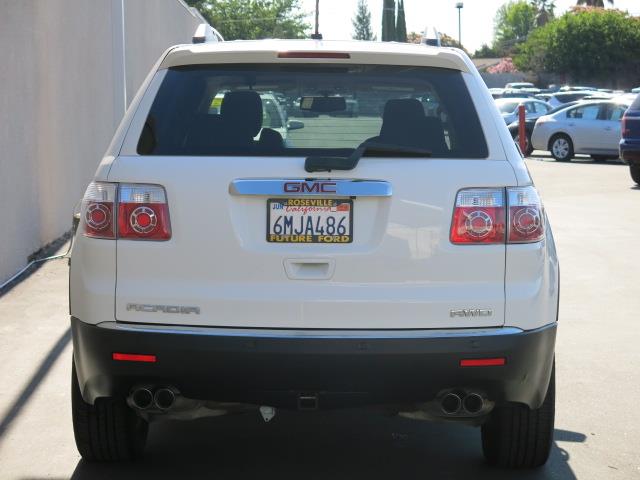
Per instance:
(473,403)
(164,398)
(451,403)
(142,398)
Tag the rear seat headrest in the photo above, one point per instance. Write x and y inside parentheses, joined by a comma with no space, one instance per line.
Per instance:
(242,112)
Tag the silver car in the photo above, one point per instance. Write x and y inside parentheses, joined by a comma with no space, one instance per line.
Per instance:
(533,108)
(591,128)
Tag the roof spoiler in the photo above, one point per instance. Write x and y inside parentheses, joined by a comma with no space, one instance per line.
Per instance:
(205,33)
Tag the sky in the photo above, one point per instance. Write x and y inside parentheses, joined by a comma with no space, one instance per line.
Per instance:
(476,16)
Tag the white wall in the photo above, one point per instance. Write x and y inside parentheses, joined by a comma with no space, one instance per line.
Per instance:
(62,94)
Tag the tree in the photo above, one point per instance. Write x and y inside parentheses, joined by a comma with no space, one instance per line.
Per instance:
(593,3)
(449,41)
(362,22)
(485,51)
(388,20)
(588,44)
(401,24)
(254,19)
(546,11)
(513,23)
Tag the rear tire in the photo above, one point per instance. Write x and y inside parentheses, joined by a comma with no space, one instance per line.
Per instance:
(528,148)
(516,436)
(635,173)
(561,147)
(108,431)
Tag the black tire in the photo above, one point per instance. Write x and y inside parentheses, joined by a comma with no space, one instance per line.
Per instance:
(557,147)
(515,436)
(634,170)
(108,431)
(528,148)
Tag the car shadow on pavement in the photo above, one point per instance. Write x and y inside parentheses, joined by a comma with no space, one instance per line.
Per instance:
(34,382)
(323,445)
(541,156)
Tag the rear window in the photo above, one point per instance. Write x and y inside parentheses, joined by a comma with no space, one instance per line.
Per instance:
(302,110)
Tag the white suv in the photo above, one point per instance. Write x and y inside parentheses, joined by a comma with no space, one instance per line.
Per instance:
(399,259)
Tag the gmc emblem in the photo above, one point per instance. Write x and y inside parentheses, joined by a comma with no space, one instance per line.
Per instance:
(313,187)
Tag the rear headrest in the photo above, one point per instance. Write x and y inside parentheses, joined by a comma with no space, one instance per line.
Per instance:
(242,112)
(402,121)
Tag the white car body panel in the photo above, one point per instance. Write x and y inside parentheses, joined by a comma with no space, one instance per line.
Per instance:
(401,271)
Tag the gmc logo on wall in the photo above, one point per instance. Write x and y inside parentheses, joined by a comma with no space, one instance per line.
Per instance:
(312,187)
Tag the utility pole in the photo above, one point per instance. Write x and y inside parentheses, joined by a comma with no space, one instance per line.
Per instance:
(317,35)
(459,6)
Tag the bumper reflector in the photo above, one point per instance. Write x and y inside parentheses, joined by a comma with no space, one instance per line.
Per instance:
(134,357)
(483,362)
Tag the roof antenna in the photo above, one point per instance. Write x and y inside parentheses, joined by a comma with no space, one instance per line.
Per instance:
(317,35)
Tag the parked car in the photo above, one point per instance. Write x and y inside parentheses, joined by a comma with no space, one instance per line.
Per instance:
(403,262)
(518,85)
(561,98)
(591,128)
(528,126)
(630,142)
(533,108)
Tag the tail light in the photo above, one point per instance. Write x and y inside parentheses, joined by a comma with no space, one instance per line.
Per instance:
(526,220)
(496,216)
(128,211)
(143,212)
(479,216)
(626,132)
(98,210)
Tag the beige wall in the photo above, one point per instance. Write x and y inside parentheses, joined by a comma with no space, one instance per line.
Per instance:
(62,94)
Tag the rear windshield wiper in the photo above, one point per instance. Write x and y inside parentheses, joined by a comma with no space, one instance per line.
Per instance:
(369,149)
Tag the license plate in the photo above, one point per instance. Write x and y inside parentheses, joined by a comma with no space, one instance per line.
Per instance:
(309,220)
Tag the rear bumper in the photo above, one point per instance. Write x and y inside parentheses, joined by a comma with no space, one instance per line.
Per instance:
(630,151)
(344,368)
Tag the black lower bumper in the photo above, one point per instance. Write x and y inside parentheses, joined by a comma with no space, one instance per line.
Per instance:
(342,369)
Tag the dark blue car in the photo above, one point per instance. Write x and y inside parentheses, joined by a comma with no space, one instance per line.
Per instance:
(630,142)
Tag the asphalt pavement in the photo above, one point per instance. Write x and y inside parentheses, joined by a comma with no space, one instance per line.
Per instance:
(594,210)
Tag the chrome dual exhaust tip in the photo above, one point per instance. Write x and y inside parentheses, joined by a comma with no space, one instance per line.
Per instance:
(452,403)
(143,398)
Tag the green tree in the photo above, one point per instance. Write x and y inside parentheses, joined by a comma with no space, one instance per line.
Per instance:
(253,19)
(590,44)
(401,24)
(388,20)
(449,41)
(593,3)
(513,23)
(485,51)
(546,11)
(362,22)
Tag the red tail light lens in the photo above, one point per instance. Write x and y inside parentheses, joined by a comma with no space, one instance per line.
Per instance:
(143,212)
(479,217)
(97,213)
(526,216)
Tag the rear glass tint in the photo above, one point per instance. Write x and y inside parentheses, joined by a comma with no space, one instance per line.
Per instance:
(281,110)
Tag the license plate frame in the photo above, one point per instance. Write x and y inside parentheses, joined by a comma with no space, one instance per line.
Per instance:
(321,202)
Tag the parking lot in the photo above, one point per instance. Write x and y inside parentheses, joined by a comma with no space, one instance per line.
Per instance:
(593,208)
